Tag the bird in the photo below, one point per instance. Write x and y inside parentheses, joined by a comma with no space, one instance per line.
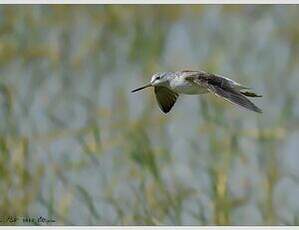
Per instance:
(169,85)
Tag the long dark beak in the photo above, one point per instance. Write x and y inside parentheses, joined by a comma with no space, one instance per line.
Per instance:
(142,87)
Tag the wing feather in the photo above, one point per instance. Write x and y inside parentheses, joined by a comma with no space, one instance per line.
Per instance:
(223,88)
(234,97)
(165,98)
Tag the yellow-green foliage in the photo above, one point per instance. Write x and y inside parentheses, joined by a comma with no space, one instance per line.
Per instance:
(77,147)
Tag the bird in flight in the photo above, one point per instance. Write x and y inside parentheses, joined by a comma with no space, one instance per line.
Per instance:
(169,85)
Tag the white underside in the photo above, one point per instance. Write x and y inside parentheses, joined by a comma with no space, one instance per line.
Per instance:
(181,86)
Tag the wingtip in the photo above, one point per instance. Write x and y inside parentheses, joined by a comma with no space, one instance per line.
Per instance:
(256,109)
(164,111)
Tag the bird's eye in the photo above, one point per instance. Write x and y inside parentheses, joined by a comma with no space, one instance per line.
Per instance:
(158,78)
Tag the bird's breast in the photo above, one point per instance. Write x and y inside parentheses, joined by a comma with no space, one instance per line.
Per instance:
(182,86)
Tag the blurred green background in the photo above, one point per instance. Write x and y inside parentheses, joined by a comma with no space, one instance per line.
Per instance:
(76,146)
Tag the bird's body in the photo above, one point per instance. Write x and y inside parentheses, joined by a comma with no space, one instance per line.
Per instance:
(180,85)
(169,85)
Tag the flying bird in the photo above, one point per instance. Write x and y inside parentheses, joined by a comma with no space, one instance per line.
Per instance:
(169,85)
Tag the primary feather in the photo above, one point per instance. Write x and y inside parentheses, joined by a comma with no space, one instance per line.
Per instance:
(225,88)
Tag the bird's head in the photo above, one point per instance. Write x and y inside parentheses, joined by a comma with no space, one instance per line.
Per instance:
(158,79)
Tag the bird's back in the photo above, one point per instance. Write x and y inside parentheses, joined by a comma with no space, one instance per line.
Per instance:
(179,84)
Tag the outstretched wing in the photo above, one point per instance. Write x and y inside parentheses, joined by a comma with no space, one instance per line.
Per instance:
(214,79)
(234,97)
(224,88)
(165,98)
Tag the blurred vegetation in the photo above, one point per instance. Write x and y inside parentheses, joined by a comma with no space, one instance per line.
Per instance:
(77,147)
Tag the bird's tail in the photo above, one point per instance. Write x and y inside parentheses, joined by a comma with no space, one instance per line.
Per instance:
(250,94)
